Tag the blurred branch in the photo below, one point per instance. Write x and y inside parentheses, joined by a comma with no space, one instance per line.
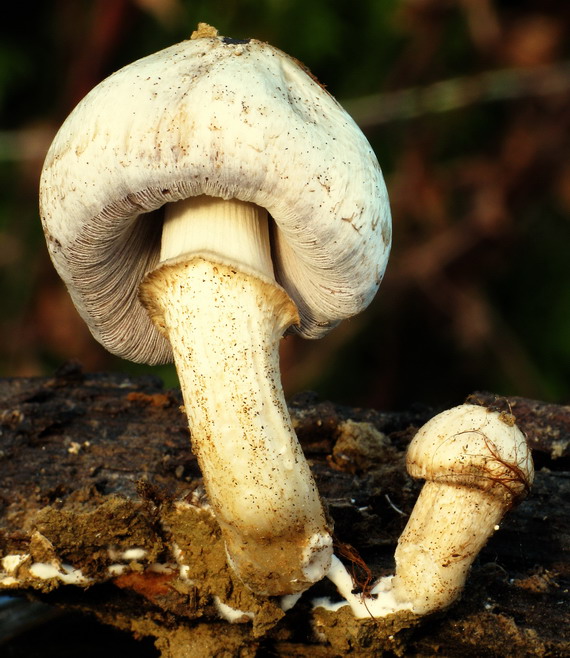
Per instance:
(26,144)
(463,91)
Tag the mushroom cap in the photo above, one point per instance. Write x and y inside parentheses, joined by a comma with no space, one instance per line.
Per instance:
(475,447)
(225,118)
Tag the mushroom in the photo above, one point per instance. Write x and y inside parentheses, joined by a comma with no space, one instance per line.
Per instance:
(199,203)
(476,465)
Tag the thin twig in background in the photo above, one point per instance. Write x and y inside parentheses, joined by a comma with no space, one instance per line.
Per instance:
(456,93)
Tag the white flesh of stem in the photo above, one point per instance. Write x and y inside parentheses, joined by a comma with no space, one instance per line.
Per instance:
(232,232)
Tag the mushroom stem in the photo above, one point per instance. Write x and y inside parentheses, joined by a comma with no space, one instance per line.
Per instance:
(224,324)
(448,527)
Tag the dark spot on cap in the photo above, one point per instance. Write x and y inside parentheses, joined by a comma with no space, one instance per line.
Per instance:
(234,41)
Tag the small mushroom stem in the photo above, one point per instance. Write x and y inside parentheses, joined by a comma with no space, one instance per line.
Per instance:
(224,315)
(448,527)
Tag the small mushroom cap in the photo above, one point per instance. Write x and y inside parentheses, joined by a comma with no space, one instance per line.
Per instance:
(472,446)
(225,118)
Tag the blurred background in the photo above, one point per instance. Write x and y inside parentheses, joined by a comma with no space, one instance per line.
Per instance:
(467,106)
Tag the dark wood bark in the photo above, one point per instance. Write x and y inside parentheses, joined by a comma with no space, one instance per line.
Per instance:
(93,466)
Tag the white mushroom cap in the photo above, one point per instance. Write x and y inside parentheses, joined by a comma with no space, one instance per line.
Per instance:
(229,119)
(471,446)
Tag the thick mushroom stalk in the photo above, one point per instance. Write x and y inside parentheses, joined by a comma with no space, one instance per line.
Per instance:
(477,465)
(215,298)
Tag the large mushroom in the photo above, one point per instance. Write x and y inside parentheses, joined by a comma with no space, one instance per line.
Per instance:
(198,203)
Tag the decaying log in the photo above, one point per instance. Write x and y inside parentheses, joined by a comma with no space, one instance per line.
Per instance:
(102,511)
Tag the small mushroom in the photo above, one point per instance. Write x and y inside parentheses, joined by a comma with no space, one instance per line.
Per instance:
(476,465)
(198,203)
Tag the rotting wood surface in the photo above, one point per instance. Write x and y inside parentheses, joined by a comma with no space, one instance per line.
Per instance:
(101,506)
